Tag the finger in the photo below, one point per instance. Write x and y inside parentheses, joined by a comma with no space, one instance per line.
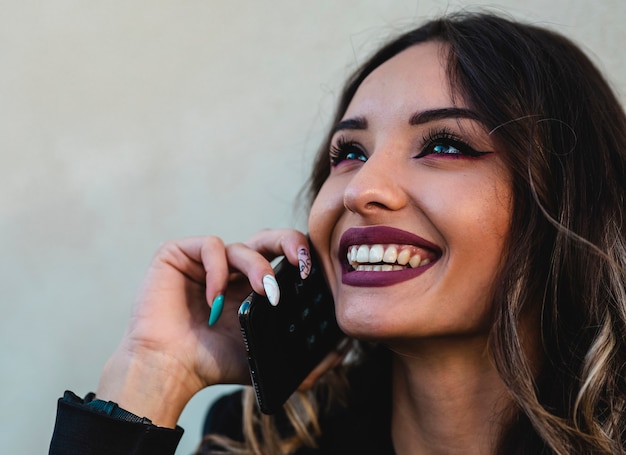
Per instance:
(214,259)
(252,258)
(203,260)
(293,244)
(256,267)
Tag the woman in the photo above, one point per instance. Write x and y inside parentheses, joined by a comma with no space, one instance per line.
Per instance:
(484,161)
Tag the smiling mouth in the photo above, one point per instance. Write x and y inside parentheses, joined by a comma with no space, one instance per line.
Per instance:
(386,258)
(376,256)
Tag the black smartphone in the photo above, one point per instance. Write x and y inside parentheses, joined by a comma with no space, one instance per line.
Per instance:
(286,342)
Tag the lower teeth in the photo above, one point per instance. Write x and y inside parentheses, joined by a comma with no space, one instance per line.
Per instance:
(379,268)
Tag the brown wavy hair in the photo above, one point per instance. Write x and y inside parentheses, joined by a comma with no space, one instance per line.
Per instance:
(564,133)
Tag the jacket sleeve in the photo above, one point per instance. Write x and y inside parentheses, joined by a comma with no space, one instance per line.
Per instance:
(82,429)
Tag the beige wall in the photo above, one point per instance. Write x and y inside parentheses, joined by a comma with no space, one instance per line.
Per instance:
(125,123)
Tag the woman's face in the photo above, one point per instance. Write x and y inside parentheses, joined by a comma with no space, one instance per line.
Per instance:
(412,220)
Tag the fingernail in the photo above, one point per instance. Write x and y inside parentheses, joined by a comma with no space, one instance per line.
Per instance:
(216,309)
(304,262)
(271,289)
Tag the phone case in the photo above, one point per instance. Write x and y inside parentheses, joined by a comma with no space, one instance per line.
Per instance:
(284,343)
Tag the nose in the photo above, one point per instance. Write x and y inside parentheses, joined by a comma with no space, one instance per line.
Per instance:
(376,186)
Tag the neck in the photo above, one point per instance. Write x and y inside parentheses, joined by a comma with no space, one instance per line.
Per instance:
(447,398)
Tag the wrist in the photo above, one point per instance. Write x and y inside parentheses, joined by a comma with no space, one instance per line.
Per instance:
(150,385)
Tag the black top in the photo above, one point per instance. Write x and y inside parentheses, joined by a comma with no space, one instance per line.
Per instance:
(363,426)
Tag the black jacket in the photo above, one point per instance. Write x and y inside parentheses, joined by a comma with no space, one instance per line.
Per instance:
(363,426)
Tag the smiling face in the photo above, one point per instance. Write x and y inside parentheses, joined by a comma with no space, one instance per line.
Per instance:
(412,220)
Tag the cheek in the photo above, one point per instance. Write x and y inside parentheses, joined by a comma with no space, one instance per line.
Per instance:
(480,238)
(494,221)
(473,211)
(325,213)
(472,219)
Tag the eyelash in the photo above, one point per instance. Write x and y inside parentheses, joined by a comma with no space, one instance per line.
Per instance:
(342,150)
(433,138)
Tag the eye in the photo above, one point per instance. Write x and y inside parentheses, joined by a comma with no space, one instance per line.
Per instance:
(346,150)
(446,144)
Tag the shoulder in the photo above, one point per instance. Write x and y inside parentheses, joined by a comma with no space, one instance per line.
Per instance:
(358,425)
(225,416)
(362,424)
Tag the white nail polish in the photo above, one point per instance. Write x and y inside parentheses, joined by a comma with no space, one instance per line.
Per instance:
(271,289)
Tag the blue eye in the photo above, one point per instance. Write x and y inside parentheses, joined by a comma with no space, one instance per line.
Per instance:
(346,151)
(446,149)
(355,156)
(445,144)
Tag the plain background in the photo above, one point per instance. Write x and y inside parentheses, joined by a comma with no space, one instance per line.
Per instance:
(126,123)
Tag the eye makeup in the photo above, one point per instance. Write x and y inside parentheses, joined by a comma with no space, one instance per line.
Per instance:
(344,149)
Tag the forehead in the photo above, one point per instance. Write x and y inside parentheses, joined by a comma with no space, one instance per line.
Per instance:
(414,80)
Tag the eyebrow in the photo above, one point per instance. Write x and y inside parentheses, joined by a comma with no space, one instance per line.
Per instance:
(418,118)
(356,123)
(431,115)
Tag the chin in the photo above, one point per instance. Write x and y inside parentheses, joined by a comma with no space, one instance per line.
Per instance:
(363,325)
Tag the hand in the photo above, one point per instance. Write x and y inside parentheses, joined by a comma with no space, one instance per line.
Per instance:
(169,352)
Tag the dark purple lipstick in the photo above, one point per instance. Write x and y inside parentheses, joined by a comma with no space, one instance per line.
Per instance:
(383,235)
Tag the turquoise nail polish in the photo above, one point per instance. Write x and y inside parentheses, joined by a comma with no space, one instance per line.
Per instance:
(216,309)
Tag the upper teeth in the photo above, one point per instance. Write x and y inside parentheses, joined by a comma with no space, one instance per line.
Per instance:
(380,258)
